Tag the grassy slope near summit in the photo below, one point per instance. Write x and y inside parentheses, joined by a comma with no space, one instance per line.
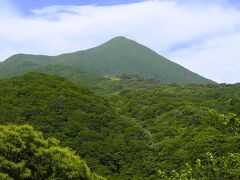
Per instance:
(117,56)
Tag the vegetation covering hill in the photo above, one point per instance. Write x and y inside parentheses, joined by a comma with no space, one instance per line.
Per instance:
(112,144)
(116,57)
(139,130)
(15,67)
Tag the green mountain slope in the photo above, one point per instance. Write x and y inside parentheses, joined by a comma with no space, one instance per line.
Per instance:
(21,63)
(115,57)
(15,67)
(123,56)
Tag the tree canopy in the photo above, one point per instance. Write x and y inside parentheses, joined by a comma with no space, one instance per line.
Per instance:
(25,154)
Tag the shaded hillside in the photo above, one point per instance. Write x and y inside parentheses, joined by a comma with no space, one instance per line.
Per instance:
(15,66)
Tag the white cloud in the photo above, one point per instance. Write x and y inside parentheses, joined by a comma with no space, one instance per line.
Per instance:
(218,58)
(202,37)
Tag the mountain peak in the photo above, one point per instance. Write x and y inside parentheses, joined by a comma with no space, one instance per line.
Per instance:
(119,39)
(120,42)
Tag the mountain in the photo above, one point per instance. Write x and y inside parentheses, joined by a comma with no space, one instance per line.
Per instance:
(116,57)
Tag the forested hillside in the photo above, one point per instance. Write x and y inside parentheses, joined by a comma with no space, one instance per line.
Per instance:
(130,128)
(112,144)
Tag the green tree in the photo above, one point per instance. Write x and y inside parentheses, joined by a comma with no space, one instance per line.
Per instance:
(226,167)
(229,121)
(25,154)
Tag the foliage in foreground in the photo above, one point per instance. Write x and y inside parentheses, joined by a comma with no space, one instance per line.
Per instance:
(25,154)
(226,167)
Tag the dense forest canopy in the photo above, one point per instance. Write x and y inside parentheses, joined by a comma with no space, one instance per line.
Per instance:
(125,127)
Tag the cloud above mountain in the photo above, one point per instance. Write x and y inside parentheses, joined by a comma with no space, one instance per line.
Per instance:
(204,37)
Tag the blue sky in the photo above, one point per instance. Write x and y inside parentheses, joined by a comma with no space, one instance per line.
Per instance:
(201,35)
(30,4)
(27,5)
